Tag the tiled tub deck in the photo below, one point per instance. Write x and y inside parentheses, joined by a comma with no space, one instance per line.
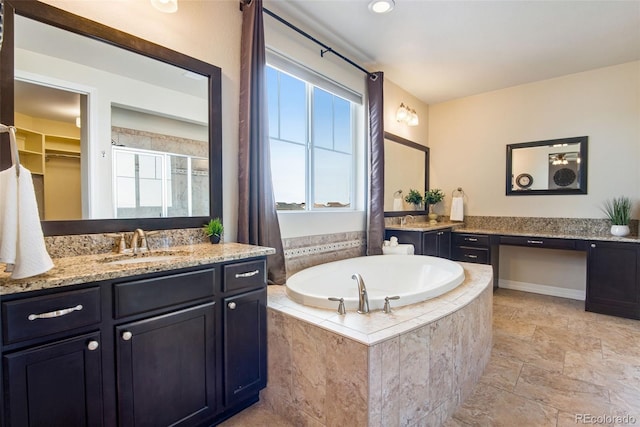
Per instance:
(411,367)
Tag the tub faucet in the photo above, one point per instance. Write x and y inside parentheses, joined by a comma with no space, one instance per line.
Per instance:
(363,299)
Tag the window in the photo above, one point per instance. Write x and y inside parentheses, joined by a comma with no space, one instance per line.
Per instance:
(311,135)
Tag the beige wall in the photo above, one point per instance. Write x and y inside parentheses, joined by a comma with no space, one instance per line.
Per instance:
(468,137)
(394,95)
(207,30)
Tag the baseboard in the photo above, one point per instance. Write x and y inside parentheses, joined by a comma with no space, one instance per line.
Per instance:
(555,291)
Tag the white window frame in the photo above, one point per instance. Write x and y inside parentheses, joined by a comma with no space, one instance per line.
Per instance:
(313,79)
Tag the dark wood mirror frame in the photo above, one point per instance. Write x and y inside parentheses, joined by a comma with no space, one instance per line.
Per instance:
(582,173)
(425,149)
(56,17)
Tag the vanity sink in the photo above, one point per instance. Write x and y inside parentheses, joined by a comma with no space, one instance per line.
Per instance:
(153,256)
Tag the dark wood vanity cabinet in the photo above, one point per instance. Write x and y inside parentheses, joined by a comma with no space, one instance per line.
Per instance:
(166,369)
(476,248)
(437,243)
(183,348)
(613,279)
(58,384)
(244,328)
(434,243)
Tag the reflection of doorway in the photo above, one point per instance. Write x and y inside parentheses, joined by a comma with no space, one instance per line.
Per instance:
(52,118)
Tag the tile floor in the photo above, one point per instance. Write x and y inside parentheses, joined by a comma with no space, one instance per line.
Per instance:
(551,362)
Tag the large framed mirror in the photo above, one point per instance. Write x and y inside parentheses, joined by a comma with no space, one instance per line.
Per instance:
(406,166)
(555,166)
(118,132)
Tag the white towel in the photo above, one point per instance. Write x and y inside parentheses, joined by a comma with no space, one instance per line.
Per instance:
(457,209)
(401,249)
(22,245)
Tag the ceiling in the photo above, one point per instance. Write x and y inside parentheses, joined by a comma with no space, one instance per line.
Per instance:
(442,50)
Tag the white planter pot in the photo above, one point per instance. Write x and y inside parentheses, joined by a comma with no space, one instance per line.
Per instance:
(619,230)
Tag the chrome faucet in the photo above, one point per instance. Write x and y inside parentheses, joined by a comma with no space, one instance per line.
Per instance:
(405,220)
(363,299)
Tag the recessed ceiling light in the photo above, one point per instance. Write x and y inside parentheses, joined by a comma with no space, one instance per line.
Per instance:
(166,6)
(381,6)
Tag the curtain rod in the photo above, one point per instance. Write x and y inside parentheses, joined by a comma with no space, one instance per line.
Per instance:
(326,48)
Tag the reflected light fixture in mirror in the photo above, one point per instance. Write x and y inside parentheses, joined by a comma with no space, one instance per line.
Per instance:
(166,6)
(407,115)
(382,6)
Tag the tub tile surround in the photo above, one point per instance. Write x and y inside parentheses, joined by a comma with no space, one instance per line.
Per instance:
(308,251)
(412,367)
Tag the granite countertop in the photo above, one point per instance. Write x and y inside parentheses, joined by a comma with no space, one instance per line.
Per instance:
(460,227)
(92,268)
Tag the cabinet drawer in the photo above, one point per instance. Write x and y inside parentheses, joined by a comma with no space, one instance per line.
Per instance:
(244,276)
(471,254)
(39,316)
(140,296)
(460,239)
(540,242)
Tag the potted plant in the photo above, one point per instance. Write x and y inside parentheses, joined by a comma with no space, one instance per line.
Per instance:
(214,230)
(432,197)
(415,198)
(618,210)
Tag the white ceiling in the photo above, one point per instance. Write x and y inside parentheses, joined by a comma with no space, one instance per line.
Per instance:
(442,50)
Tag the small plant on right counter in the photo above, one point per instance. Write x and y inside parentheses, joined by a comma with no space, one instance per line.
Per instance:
(414,197)
(214,230)
(618,211)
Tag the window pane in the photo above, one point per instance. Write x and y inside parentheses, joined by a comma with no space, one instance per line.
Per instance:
(200,187)
(148,167)
(150,192)
(125,164)
(332,178)
(322,119)
(272,102)
(177,184)
(293,109)
(342,125)
(288,173)
(125,192)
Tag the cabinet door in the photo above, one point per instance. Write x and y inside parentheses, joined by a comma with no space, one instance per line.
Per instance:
(444,243)
(166,369)
(245,345)
(59,384)
(612,279)
(437,243)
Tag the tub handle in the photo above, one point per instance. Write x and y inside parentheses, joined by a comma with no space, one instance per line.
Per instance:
(387,304)
(341,309)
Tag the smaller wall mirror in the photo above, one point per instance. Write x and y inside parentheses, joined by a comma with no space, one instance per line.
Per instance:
(406,166)
(555,166)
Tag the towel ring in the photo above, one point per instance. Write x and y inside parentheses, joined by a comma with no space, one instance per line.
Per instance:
(458,190)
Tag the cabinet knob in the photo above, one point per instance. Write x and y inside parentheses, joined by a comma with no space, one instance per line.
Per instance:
(231,305)
(126,335)
(593,245)
(93,345)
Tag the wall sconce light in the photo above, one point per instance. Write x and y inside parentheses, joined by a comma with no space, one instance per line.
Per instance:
(407,115)
(166,6)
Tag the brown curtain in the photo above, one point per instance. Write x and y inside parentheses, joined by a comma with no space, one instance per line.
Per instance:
(375,229)
(257,217)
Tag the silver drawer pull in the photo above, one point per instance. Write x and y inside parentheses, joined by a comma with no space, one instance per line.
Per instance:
(93,345)
(56,313)
(247,274)
(471,239)
(535,242)
(231,305)
(471,256)
(126,335)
